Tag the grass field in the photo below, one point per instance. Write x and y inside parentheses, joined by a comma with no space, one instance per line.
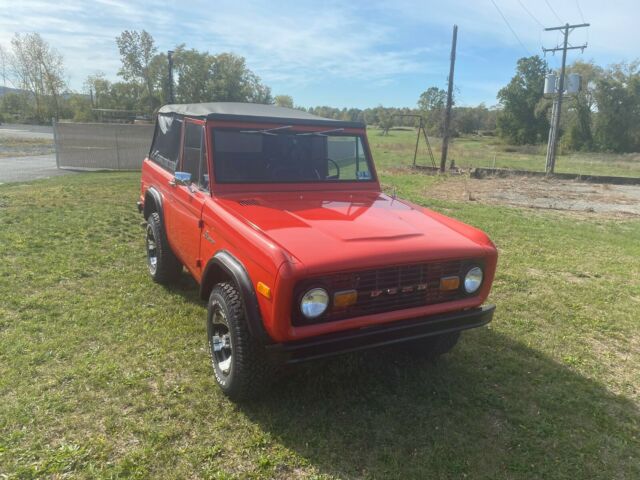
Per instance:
(398,147)
(20,147)
(104,374)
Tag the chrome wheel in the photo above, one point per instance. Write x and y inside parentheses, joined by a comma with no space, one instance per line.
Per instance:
(152,251)
(221,348)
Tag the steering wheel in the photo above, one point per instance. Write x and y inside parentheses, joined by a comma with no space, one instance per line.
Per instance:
(335,164)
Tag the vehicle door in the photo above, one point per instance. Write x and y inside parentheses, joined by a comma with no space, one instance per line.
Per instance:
(160,172)
(190,189)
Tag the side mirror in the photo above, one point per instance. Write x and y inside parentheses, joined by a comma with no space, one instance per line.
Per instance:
(182,178)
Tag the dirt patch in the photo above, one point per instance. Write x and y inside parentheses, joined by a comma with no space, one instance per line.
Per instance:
(542,193)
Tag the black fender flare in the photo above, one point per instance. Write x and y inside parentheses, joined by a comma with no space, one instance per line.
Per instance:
(157,199)
(233,268)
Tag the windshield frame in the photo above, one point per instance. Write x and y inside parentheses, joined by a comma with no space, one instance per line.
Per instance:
(332,184)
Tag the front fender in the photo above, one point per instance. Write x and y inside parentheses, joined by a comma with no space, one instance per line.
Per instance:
(224,265)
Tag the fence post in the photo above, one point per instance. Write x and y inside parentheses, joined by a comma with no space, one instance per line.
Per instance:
(54,125)
(115,130)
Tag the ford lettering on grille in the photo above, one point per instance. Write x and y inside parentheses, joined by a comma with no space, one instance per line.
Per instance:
(392,288)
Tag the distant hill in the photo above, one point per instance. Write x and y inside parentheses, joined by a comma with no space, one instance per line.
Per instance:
(5,90)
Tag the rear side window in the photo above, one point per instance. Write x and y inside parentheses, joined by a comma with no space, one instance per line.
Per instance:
(193,159)
(166,145)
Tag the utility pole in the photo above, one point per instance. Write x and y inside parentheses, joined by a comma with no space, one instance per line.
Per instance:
(552,146)
(447,118)
(170,57)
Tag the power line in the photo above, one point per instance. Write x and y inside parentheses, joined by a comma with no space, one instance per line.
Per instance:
(530,14)
(552,10)
(510,28)
(582,17)
(580,11)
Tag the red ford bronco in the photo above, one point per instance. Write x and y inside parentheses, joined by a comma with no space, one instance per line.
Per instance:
(279,216)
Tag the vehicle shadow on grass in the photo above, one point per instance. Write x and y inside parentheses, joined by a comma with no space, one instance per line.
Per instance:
(186,287)
(494,408)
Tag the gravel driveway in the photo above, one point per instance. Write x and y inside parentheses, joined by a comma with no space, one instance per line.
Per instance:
(23,169)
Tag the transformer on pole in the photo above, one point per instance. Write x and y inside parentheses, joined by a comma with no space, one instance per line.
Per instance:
(557,102)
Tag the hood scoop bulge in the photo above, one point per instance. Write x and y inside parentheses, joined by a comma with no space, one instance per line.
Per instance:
(245,202)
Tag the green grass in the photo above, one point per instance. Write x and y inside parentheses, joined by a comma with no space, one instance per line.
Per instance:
(104,374)
(398,147)
(20,147)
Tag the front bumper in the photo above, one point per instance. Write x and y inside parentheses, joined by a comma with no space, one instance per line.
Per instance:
(379,335)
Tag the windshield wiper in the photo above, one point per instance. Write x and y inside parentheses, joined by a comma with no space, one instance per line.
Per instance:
(321,133)
(266,131)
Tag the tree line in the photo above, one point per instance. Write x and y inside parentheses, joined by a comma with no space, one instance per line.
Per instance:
(603,116)
(38,71)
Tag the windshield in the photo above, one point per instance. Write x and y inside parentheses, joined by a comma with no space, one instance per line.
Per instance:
(282,155)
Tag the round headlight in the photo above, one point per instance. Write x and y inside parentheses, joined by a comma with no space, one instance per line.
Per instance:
(314,302)
(473,280)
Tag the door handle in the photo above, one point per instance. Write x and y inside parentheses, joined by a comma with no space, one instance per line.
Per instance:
(172,182)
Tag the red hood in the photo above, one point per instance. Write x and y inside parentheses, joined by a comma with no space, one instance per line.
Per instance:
(329,231)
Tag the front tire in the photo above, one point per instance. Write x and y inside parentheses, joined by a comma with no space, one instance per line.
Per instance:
(162,263)
(240,366)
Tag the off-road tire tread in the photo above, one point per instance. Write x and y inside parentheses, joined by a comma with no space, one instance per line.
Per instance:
(169,267)
(252,371)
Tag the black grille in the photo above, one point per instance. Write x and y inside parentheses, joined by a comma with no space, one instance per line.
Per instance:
(388,289)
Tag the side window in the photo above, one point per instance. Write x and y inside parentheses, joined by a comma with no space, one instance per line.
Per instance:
(166,146)
(193,158)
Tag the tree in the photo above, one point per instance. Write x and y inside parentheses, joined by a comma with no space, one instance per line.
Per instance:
(202,77)
(193,75)
(617,95)
(98,88)
(581,107)
(4,61)
(283,101)
(79,108)
(433,98)
(432,103)
(137,51)
(385,120)
(39,71)
(142,66)
(521,121)
(13,103)
(234,82)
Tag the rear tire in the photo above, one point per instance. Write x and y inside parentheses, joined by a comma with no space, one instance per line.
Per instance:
(162,263)
(431,348)
(240,366)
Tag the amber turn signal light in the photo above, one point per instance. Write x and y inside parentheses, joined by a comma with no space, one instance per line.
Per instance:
(345,298)
(264,290)
(449,283)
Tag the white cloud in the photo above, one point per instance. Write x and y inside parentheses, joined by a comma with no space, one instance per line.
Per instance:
(302,43)
(613,34)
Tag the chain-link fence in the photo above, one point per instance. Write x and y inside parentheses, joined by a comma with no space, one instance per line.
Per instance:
(101,145)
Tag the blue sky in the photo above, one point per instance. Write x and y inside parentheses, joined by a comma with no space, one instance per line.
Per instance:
(357,53)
